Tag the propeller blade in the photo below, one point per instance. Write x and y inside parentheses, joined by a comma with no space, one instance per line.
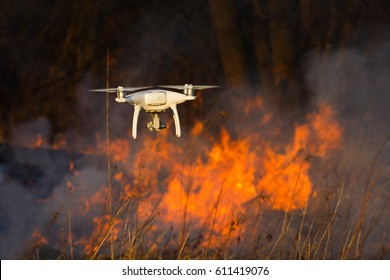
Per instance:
(180,87)
(205,87)
(117,88)
(172,86)
(104,90)
(135,88)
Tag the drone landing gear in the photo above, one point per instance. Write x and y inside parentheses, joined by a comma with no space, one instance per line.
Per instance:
(156,124)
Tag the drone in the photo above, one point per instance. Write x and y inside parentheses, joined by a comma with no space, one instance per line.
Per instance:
(155,100)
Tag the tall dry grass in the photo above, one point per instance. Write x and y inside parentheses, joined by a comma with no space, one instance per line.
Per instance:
(329,226)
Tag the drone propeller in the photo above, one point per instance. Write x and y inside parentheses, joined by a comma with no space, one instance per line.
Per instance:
(118,89)
(181,87)
(104,90)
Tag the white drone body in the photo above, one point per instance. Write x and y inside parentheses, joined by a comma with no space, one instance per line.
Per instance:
(155,100)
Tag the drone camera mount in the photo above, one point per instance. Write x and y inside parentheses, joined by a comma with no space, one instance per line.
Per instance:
(156,124)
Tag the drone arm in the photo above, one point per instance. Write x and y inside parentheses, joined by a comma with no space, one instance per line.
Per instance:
(176,119)
(137,109)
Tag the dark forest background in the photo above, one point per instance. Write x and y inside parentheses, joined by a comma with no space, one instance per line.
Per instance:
(49,48)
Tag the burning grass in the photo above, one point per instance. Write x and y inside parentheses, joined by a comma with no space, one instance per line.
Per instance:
(224,198)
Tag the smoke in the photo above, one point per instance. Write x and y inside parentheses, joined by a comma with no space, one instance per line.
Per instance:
(355,81)
(42,182)
(37,191)
(39,182)
(35,132)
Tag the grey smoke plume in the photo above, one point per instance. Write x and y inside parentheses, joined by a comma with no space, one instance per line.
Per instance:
(356,82)
(353,80)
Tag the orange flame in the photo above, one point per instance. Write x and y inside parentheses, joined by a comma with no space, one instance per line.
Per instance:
(213,185)
(37,141)
(214,190)
(39,239)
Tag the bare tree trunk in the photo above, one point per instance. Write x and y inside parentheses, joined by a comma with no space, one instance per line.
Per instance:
(261,42)
(230,43)
(285,45)
(79,43)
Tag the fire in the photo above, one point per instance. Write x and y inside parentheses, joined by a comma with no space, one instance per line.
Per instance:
(204,185)
(327,129)
(287,174)
(37,141)
(218,185)
(286,178)
(253,104)
(120,149)
(197,129)
(212,190)
(39,238)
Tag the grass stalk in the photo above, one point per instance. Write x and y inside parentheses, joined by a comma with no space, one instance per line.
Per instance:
(108,154)
(214,218)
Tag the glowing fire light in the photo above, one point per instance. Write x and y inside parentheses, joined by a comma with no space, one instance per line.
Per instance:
(37,141)
(209,186)
(213,190)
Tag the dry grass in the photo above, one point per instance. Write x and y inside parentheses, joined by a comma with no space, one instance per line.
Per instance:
(325,228)
(330,225)
(336,223)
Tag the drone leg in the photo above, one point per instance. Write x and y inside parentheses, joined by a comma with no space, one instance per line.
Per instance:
(137,109)
(176,119)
